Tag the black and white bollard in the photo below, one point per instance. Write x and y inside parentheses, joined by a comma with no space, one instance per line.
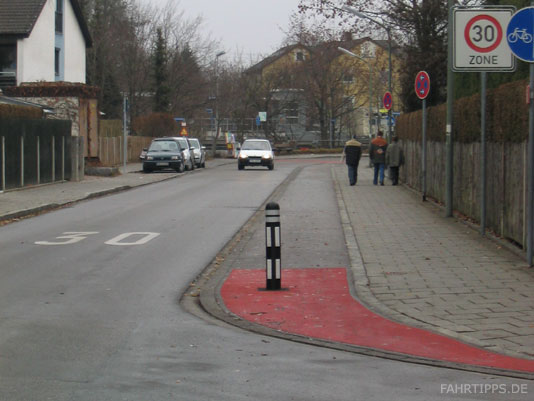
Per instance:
(273,246)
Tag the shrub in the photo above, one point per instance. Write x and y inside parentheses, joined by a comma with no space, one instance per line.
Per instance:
(155,125)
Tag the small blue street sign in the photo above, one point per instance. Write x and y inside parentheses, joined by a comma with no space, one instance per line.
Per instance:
(258,121)
(520,32)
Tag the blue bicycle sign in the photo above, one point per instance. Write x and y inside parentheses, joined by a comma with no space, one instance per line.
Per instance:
(520,34)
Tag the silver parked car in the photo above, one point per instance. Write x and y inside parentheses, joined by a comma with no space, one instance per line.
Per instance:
(187,151)
(199,151)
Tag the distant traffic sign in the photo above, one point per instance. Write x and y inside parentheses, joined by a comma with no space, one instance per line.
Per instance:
(422,85)
(387,101)
(520,32)
(479,39)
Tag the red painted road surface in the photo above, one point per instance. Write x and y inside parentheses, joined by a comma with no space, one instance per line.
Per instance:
(318,304)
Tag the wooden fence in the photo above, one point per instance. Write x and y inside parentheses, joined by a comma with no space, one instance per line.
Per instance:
(111,149)
(506,183)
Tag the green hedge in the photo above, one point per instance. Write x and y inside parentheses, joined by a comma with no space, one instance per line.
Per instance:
(506,118)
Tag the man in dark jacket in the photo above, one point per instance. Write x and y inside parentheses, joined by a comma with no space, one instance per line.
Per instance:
(352,153)
(377,153)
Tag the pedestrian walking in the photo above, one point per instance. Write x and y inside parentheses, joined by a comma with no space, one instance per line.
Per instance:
(394,159)
(377,154)
(352,153)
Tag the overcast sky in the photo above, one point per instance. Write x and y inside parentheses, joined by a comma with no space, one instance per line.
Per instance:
(251,26)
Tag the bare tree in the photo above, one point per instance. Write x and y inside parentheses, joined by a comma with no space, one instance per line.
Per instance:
(420,25)
(333,89)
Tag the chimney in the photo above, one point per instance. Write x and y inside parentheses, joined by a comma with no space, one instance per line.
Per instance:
(346,36)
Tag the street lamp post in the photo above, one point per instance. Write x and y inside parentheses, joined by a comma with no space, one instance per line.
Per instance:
(353,11)
(370,65)
(214,147)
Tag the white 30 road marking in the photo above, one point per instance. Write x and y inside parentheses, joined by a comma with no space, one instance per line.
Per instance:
(118,240)
(72,237)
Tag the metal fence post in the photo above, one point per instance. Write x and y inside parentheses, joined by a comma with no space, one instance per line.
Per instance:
(3,163)
(38,162)
(62,158)
(273,246)
(53,158)
(21,161)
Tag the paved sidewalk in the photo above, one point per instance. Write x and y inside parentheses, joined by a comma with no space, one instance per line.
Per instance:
(433,272)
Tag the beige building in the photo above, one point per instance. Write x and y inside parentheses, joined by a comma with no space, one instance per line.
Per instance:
(356,86)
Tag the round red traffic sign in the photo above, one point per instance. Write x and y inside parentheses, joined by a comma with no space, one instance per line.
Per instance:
(422,84)
(483,33)
(387,100)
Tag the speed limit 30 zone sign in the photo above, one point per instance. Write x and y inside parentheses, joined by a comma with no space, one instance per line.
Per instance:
(480,39)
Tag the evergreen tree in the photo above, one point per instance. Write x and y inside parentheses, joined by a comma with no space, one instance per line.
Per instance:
(161,87)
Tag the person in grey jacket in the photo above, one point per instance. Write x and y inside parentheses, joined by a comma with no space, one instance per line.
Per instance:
(394,159)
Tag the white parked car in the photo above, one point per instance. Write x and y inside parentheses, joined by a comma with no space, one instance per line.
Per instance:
(256,152)
(199,152)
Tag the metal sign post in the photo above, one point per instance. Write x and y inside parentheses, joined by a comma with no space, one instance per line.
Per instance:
(124,132)
(483,157)
(387,102)
(422,89)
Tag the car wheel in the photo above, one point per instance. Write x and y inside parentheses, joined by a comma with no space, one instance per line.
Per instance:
(180,168)
(193,165)
(146,169)
(240,167)
(203,165)
(271,166)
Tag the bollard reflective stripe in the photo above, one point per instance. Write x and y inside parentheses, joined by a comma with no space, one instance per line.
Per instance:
(273,243)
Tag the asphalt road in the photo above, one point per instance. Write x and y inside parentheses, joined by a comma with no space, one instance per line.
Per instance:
(89,305)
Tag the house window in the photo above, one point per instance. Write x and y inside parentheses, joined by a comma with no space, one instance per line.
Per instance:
(57,57)
(368,50)
(59,16)
(8,59)
(348,102)
(299,56)
(292,113)
(8,65)
(348,78)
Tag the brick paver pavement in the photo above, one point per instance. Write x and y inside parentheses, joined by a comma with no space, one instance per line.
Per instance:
(435,272)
